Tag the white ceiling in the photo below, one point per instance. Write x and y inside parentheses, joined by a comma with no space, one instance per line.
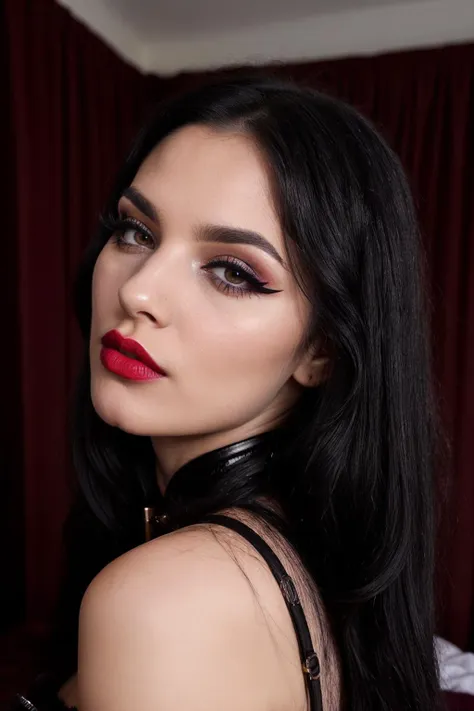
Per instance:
(190,17)
(167,36)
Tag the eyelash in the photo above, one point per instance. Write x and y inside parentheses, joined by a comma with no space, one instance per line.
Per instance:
(117,226)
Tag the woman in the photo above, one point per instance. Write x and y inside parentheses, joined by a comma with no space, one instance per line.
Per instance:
(254,312)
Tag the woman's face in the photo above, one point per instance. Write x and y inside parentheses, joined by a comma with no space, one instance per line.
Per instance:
(188,276)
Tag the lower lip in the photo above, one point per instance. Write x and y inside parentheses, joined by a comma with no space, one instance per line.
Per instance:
(125,367)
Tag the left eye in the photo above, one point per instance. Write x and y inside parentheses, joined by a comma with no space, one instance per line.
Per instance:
(231,275)
(233,279)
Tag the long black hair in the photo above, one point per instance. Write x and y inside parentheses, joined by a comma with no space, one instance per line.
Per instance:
(363,444)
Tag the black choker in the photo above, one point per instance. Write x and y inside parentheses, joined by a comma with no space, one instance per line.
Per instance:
(235,475)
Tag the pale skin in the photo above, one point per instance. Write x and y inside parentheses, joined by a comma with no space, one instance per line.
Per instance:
(174,624)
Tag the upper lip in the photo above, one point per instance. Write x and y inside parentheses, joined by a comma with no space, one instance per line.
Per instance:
(127,346)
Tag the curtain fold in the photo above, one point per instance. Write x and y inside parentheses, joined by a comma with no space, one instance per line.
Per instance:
(74,107)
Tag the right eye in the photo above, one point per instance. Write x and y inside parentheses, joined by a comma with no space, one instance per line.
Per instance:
(129,233)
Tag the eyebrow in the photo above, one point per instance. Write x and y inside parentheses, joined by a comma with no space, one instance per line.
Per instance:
(208,233)
(141,203)
(235,235)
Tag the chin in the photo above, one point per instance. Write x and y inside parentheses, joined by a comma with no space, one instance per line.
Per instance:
(117,417)
(111,403)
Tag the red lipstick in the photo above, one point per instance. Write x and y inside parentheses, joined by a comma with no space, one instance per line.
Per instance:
(127,358)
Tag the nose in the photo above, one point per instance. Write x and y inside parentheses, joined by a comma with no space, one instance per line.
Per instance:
(144,295)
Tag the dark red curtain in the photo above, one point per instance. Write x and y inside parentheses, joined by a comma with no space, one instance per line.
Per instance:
(423,102)
(71,109)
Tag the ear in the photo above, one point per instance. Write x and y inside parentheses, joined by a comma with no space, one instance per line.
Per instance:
(312,369)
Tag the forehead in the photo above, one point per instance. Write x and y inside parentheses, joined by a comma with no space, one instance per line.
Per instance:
(213,176)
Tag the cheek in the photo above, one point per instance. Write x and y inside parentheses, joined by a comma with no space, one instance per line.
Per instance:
(258,345)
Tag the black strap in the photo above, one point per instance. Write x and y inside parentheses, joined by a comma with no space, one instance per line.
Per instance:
(309,658)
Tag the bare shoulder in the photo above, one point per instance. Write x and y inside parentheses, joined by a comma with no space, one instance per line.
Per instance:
(180,622)
(162,570)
